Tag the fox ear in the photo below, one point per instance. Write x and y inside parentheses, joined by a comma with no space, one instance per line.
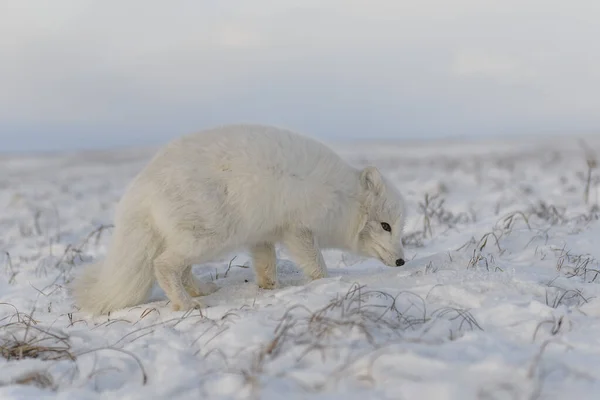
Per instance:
(371,180)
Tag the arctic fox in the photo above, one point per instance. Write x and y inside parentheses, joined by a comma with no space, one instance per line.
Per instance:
(235,187)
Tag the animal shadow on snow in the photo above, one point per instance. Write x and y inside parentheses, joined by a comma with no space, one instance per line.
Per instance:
(235,289)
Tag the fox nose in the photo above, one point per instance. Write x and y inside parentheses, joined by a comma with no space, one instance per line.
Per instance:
(399,262)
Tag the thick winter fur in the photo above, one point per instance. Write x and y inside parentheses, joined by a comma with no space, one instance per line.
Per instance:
(238,187)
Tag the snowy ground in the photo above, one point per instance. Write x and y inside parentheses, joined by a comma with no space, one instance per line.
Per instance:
(499,300)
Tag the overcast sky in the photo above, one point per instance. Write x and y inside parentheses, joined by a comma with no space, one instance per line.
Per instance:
(84,73)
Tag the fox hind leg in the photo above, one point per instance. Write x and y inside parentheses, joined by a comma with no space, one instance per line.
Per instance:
(169,269)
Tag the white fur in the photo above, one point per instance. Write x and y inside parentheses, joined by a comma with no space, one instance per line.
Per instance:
(210,193)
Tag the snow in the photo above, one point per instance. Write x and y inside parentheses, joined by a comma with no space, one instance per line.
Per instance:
(499,298)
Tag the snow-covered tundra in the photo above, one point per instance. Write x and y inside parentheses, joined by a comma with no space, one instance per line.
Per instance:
(239,186)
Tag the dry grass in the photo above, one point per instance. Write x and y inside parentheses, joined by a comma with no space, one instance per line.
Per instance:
(40,379)
(10,269)
(367,321)
(592,163)
(21,337)
(372,319)
(433,213)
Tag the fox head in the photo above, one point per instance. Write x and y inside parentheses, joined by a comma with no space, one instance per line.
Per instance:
(381,224)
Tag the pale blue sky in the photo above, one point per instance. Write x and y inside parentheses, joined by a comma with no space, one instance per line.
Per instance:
(86,73)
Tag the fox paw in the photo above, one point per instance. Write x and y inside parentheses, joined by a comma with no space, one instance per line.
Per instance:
(319,275)
(267,284)
(191,304)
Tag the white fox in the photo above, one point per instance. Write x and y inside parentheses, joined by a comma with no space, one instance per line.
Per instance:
(236,187)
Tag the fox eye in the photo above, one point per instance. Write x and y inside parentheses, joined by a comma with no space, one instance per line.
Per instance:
(386,226)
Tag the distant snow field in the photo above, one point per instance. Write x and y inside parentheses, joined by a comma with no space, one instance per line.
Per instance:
(499,298)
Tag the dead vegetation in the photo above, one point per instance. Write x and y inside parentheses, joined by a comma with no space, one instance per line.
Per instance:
(582,266)
(433,213)
(366,321)
(363,320)
(21,337)
(38,378)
